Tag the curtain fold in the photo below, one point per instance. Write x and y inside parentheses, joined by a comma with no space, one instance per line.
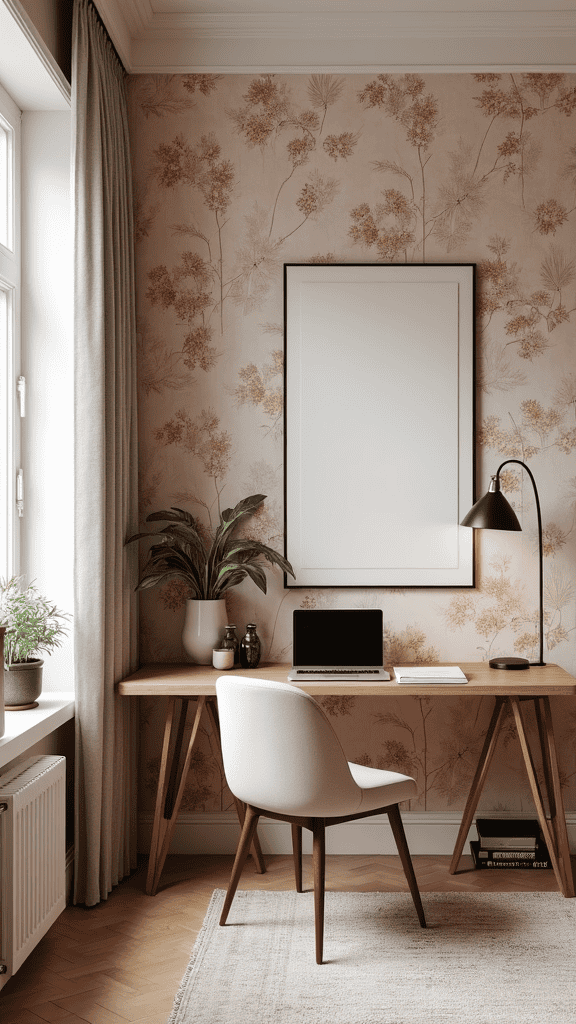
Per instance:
(106,484)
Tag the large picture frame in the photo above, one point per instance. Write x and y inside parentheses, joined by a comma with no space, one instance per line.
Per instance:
(379,424)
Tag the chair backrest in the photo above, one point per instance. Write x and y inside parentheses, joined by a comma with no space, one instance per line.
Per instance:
(280,751)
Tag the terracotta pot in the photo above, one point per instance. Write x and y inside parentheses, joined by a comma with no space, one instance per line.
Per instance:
(204,627)
(22,684)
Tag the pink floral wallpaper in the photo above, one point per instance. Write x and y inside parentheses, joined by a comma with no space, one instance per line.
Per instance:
(235,175)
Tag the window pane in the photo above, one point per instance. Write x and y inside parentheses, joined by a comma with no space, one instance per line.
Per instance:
(5,462)
(4,188)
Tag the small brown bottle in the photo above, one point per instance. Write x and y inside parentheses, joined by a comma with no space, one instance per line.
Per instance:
(250,647)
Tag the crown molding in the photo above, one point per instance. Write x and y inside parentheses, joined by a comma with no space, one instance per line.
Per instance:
(169,36)
(28,71)
(345,25)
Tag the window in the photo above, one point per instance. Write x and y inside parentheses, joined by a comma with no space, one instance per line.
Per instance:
(10,277)
(6,186)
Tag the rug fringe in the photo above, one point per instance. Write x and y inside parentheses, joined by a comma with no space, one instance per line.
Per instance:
(216,901)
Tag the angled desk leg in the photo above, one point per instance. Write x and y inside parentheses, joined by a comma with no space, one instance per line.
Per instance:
(478,781)
(554,827)
(557,812)
(171,784)
(172,781)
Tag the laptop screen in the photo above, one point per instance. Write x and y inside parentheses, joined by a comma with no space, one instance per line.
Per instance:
(337,637)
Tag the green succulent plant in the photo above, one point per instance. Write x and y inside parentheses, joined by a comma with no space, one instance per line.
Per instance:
(209,570)
(33,624)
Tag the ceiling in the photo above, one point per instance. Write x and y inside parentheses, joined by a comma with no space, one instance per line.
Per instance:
(252,36)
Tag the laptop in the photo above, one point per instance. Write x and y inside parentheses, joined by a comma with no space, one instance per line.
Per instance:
(337,643)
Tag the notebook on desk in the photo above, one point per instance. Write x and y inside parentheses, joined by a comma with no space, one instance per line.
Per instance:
(331,644)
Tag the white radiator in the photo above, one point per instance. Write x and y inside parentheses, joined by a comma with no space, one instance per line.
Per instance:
(32,856)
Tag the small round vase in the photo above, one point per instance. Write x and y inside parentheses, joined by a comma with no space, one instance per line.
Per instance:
(250,647)
(204,627)
(22,684)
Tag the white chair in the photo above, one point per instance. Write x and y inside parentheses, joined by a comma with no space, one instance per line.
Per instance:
(283,760)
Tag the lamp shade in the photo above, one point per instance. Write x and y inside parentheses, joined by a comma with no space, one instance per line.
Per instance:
(492,511)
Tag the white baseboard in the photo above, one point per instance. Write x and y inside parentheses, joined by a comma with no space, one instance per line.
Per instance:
(427,832)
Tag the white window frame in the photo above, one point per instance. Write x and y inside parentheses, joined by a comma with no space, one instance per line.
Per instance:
(10,347)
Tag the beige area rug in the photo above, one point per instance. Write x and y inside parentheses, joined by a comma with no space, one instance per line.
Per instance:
(489,958)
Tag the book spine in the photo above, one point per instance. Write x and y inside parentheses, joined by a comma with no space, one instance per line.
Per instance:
(513,845)
(512,864)
(510,854)
(507,854)
(509,859)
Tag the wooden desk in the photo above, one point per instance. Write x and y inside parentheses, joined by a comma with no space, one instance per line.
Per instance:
(182,683)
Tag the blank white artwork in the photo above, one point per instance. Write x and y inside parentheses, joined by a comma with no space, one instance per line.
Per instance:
(379,400)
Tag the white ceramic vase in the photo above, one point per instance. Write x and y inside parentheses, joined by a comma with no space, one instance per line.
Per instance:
(204,627)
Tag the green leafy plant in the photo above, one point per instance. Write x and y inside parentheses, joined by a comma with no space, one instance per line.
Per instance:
(208,569)
(32,623)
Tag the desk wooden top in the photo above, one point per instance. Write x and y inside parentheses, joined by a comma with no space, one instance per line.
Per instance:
(162,680)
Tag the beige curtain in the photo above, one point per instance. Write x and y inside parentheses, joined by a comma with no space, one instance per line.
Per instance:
(106,464)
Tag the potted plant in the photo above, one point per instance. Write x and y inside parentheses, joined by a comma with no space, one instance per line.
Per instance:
(209,567)
(33,625)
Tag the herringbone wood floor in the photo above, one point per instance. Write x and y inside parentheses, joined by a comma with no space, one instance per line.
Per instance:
(123,960)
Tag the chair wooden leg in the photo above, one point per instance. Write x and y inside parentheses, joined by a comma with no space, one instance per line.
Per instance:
(400,838)
(297,855)
(248,830)
(319,857)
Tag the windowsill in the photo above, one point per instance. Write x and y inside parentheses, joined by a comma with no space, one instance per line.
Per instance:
(25,728)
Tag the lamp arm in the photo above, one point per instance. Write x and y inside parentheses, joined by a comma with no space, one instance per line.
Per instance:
(540,548)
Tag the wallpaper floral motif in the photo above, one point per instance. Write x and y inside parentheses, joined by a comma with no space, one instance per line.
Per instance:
(236,175)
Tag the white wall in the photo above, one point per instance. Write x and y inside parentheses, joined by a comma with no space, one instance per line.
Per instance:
(47,534)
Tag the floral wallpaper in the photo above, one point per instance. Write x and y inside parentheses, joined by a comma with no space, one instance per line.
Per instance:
(237,174)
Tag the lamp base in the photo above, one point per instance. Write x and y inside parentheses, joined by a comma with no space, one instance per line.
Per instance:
(509,663)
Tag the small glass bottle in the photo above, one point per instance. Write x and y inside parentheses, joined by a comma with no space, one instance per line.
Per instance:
(231,642)
(250,647)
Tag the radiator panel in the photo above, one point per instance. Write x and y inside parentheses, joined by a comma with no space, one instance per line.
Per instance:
(32,856)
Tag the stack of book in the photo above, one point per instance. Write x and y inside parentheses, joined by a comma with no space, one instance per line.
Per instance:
(509,843)
(443,675)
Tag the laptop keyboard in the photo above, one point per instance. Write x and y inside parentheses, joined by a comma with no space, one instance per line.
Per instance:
(337,671)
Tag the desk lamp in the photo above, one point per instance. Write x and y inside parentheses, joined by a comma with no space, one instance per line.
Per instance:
(493,512)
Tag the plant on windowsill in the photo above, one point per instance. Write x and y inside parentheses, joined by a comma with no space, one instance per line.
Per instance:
(209,567)
(33,626)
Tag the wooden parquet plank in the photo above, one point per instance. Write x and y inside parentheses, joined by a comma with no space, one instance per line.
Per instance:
(51,1012)
(123,960)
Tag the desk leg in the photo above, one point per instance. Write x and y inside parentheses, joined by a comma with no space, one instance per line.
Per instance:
(558,814)
(171,782)
(478,782)
(176,792)
(549,836)
(163,777)
(240,807)
(555,831)
(553,828)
